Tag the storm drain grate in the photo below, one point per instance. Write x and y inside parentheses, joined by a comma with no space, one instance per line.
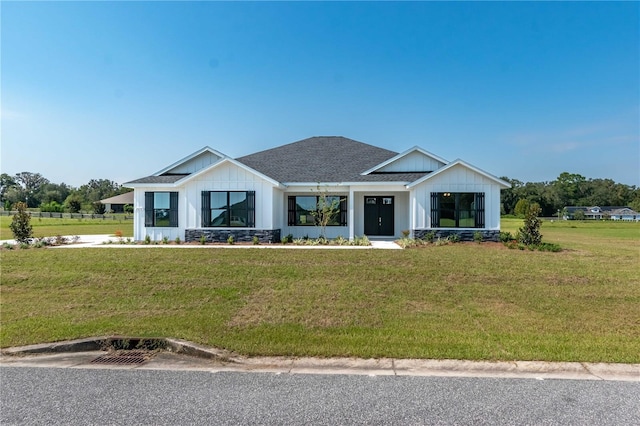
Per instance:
(123,358)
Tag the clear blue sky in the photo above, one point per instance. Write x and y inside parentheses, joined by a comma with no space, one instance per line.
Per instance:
(119,90)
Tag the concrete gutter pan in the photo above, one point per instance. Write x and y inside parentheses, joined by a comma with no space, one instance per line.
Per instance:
(176,354)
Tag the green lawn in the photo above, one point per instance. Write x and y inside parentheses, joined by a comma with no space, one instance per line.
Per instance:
(50,227)
(464,301)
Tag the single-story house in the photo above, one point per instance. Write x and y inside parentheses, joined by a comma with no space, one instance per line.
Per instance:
(624,213)
(116,204)
(604,212)
(274,193)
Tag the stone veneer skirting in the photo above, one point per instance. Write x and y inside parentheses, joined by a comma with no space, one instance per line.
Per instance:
(464,234)
(239,235)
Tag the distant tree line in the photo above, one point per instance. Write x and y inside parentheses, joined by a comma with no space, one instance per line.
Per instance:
(569,189)
(36,191)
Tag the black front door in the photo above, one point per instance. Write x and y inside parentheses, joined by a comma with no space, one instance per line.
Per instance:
(378,215)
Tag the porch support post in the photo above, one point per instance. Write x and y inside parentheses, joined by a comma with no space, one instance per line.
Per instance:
(412,212)
(352,215)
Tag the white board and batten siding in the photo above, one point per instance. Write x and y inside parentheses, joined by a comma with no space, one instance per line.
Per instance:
(412,162)
(456,179)
(199,162)
(140,232)
(225,177)
(229,177)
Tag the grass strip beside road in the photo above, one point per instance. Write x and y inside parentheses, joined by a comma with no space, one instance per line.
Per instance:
(463,301)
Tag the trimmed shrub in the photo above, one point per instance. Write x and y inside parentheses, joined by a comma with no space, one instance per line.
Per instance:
(477,237)
(21,224)
(529,234)
(506,237)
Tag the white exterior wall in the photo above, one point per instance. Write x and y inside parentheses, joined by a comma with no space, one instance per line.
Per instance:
(412,162)
(279,216)
(157,234)
(226,177)
(229,177)
(456,179)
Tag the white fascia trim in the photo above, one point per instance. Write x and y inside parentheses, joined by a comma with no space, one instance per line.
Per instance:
(234,162)
(345,184)
(463,164)
(189,157)
(150,185)
(403,154)
(314,184)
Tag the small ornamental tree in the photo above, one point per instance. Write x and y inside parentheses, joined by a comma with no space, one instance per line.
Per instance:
(529,234)
(21,224)
(327,209)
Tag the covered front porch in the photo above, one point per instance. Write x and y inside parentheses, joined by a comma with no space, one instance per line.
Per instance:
(380,213)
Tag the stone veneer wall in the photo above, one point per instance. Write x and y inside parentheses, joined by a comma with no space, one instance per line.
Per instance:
(465,234)
(239,235)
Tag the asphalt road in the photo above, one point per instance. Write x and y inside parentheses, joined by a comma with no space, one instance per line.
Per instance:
(110,396)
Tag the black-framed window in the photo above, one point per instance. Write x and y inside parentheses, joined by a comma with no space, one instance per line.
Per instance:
(457,210)
(161,209)
(302,210)
(228,209)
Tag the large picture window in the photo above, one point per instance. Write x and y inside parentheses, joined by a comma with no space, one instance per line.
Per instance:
(161,209)
(228,209)
(457,210)
(302,210)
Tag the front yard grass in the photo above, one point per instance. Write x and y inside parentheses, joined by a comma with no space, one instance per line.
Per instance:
(462,301)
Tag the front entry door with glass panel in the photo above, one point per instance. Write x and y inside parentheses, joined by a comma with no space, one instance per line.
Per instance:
(378,216)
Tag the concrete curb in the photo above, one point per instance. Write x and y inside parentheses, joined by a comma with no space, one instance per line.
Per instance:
(193,349)
(104,343)
(79,345)
(228,361)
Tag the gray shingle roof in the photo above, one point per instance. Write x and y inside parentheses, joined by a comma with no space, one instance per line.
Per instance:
(159,179)
(126,198)
(315,159)
(324,159)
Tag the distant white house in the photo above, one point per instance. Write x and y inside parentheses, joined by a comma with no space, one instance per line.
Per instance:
(624,213)
(605,212)
(273,193)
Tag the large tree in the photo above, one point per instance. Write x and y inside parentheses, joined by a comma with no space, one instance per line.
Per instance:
(54,192)
(6,182)
(570,188)
(30,184)
(99,189)
(509,197)
(605,192)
